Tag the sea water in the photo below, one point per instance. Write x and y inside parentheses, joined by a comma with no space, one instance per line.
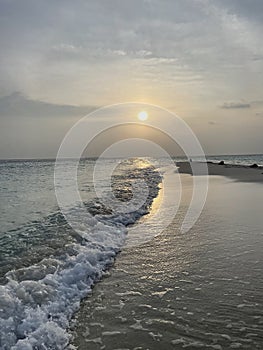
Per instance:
(46,269)
(46,266)
(246,160)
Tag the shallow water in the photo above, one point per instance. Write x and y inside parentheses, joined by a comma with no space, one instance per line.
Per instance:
(202,289)
(46,266)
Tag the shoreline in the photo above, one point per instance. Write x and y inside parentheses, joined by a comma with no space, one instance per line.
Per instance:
(156,293)
(240,173)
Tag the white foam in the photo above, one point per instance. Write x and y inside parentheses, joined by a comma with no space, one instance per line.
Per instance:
(178,341)
(108,333)
(37,302)
(129,293)
(138,326)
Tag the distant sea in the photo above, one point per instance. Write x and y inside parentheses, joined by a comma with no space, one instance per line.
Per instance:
(247,159)
(46,269)
(238,159)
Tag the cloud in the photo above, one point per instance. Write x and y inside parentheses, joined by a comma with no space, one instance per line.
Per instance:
(257,57)
(18,105)
(193,55)
(235,105)
(257,103)
(76,51)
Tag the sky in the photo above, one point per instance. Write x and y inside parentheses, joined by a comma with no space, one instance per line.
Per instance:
(201,59)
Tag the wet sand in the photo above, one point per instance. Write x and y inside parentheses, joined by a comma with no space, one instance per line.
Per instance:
(199,290)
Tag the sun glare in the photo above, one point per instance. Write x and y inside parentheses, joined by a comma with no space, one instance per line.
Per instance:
(142,116)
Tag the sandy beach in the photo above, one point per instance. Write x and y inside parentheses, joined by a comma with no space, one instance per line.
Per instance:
(238,172)
(201,289)
(131,175)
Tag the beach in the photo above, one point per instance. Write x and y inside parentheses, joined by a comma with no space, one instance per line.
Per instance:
(234,171)
(131,175)
(196,290)
(63,286)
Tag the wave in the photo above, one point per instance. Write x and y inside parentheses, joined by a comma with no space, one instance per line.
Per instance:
(38,301)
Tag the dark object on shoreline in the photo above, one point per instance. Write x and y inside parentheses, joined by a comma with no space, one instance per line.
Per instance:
(254,166)
(221,162)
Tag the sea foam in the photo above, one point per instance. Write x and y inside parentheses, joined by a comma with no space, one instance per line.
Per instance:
(37,302)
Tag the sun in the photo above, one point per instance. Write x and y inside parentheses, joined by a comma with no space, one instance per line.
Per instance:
(142,116)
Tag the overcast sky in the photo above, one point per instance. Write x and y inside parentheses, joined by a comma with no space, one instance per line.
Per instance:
(202,59)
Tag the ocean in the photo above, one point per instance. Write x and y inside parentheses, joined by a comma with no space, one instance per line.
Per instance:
(249,159)
(46,266)
(199,289)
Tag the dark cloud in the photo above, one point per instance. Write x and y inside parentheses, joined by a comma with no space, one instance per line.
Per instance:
(17,105)
(235,105)
(257,57)
(252,10)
